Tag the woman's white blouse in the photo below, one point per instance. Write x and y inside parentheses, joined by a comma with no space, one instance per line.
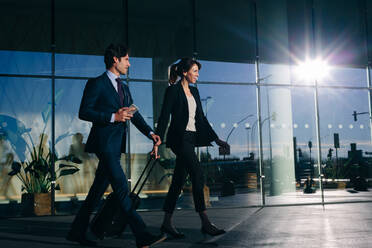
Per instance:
(192,109)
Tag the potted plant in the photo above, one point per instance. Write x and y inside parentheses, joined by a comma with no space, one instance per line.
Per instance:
(35,175)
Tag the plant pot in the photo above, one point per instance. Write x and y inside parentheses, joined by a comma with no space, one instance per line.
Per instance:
(206,192)
(36,204)
(341,185)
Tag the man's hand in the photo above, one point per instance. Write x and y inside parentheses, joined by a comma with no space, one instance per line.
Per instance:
(157,142)
(123,114)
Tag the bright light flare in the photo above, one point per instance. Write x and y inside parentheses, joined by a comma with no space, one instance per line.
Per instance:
(312,70)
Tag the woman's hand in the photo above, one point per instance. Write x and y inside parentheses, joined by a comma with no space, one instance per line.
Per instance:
(222,144)
(154,152)
(157,141)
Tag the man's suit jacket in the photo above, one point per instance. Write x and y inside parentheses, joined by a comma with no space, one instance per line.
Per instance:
(175,104)
(100,100)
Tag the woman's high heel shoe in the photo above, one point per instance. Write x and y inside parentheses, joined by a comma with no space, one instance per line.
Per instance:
(212,230)
(172,231)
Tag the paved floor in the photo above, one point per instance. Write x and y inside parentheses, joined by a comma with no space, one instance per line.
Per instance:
(335,225)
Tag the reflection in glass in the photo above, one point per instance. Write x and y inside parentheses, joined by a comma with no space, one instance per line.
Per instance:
(346,77)
(277,132)
(71,134)
(25,63)
(140,145)
(305,146)
(77,65)
(226,72)
(346,143)
(25,113)
(232,111)
(142,97)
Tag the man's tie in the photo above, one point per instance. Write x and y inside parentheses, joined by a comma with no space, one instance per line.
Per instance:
(120,91)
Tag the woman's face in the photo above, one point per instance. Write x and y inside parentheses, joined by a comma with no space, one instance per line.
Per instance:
(192,75)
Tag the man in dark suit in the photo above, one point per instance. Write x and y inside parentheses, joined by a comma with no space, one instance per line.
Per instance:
(106,103)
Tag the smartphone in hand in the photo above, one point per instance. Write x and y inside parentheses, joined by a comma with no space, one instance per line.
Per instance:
(132,109)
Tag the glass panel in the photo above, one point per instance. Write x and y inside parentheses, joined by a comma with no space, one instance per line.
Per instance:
(232,179)
(140,146)
(347,168)
(288,125)
(305,145)
(346,77)
(274,74)
(75,65)
(71,134)
(140,68)
(226,72)
(17,62)
(142,98)
(328,75)
(25,113)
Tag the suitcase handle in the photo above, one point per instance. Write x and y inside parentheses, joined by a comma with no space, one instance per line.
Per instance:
(143,173)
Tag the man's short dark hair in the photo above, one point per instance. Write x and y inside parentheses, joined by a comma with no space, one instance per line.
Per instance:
(114,50)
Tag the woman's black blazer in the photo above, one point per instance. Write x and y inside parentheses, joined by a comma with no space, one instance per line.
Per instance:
(175,104)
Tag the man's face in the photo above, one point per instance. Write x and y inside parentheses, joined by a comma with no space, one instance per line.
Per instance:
(122,65)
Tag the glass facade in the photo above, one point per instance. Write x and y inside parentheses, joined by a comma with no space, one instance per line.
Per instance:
(292,140)
(288,128)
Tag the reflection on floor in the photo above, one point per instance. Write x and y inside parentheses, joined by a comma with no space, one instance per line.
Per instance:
(245,199)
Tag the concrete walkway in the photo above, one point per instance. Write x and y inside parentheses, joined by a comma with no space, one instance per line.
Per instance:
(335,225)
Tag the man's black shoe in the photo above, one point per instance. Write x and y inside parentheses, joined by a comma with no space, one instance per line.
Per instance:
(80,239)
(150,240)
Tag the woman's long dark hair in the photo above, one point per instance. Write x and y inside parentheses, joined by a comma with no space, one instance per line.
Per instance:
(179,68)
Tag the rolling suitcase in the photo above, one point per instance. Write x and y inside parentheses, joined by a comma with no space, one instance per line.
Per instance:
(110,220)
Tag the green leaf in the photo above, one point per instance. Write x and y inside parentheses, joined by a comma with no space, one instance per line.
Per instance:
(36,175)
(12,173)
(16,166)
(68,172)
(66,165)
(30,167)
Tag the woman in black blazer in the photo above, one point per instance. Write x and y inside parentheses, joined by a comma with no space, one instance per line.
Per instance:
(188,128)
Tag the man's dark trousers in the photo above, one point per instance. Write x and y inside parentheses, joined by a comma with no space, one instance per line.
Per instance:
(109,171)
